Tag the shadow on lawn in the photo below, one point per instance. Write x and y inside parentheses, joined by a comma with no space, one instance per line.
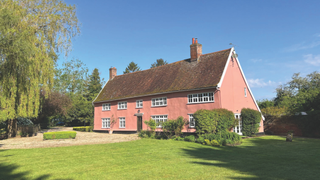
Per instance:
(9,171)
(264,159)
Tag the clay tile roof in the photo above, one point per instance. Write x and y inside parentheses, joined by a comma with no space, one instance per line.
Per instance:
(177,76)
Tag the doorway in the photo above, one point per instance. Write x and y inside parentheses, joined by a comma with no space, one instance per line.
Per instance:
(139,123)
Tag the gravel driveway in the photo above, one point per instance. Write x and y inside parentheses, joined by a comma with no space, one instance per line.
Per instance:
(81,139)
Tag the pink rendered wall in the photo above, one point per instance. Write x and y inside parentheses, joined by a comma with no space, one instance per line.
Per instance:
(177,105)
(232,91)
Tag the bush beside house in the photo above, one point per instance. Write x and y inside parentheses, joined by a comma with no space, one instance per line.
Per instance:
(250,121)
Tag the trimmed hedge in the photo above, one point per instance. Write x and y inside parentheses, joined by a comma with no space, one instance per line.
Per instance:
(83,128)
(223,137)
(60,135)
(214,121)
(250,121)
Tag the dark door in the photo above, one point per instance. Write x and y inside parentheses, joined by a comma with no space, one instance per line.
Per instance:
(139,123)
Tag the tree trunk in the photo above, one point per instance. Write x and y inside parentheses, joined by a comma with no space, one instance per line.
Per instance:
(12,128)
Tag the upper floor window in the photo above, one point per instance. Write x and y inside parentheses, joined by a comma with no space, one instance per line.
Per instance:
(245,92)
(159,101)
(106,107)
(160,119)
(122,105)
(192,123)
(122,122)
(105,122)
(201,97)
(139,104)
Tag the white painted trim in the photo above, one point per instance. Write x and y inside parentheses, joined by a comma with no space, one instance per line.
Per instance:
(225,68)
(245,80)
(99,92)
(159,105)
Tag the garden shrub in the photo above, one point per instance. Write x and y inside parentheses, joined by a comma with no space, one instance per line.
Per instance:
(83,128)
(173,127)
(250,121)
(207,142)
(146,134)
(190,138)
(205,121)
(224,137)
(200,140)
(214,143)
(212,121)
(60,135)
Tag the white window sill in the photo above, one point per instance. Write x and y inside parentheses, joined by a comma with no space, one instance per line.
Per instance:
(139,107)
(105,128)
(121,109)
(122,127)
(107,110)
(159,106)
(200,102)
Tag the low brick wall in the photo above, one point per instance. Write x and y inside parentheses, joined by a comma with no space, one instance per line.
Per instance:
(281,125)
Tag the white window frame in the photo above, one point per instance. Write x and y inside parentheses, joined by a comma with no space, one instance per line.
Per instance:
(159,119)
(122,122)
(205,97)
(245,92)
(106,107)
(139,103)
(161,101)
(238,129)
(122,105)
(105,123)
(191,118)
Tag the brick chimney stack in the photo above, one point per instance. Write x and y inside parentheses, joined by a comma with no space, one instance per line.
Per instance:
(112,73)
(195,50)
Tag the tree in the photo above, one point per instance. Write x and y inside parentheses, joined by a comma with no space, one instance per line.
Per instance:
(159,62)
(94,85)
(300,94)
(132,67)
(32,33)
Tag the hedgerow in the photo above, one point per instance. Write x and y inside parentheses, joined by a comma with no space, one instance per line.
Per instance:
(60,135)
(83,128)
(250,121)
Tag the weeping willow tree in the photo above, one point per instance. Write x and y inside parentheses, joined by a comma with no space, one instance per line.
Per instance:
(32,35)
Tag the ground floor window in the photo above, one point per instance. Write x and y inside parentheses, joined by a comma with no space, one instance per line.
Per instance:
(192,123)
(105,122)
(238,128)
(122,122)
(160,119)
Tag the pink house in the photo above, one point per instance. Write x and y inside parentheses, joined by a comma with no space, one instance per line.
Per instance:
(203,81)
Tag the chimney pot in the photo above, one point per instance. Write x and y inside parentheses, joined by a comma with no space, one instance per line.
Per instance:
(112,73)
(192,40)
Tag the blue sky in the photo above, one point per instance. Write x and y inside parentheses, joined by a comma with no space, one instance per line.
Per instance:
(273,38)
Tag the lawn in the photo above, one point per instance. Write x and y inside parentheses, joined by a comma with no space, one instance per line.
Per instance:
(268,157)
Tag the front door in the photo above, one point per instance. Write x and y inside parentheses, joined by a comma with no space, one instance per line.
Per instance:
(139,123)
(238,128)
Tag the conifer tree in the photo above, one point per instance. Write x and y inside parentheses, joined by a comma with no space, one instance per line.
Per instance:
(132,67)
(159,62)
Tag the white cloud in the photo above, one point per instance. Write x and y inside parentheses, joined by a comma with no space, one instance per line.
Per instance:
(256,60)
(261,83)
(312,59)
(302,45)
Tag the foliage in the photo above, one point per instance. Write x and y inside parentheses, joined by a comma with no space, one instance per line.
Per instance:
(146,134)
(151,124)
(32,33)
(301,94)
(265,103)
(24,121)
(94,85)
(159,62)
(173,126)
(214,143)
(200,140)
(216,120)
(224,137)
(59,135)
(190,138)
(83,128)
(206,121)
(274,111)
(132,67)
(250,121)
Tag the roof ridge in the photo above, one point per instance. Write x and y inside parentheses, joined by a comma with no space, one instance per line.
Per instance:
(216,52)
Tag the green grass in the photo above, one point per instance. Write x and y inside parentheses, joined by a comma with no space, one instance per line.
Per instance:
(268,157)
